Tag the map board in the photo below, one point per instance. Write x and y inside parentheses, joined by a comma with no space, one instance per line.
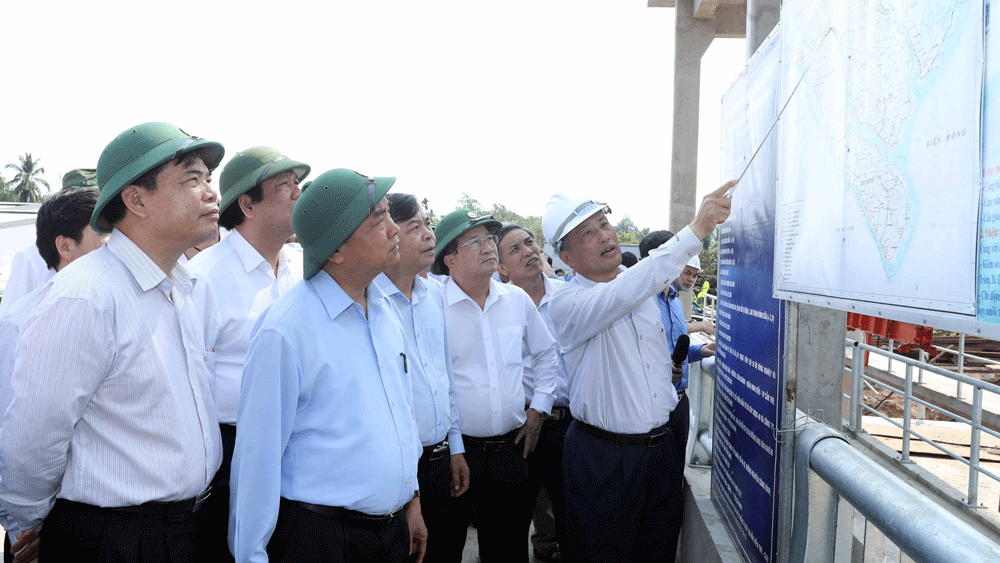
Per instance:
(880,179)
(988,279)
(749,323)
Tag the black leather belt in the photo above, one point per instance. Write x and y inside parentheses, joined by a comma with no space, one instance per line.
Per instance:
(560,413)
(436,451)
(350,517)
(156,508)
(489,443)
(650,439)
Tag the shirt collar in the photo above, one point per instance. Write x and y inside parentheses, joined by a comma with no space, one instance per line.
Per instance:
(247,254)
(335,299)
(550,287)
(454,293)
(389,287)
(145,272)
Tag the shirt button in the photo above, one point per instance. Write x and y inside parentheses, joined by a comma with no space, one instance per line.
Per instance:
(647,366)
(654,395)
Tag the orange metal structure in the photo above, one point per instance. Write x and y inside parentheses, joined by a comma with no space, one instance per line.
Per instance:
(908,336)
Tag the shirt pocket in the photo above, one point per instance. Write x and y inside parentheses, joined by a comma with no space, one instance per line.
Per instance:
(511,344)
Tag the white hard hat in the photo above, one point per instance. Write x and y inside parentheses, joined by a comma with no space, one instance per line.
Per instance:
(563,213)
(695,262)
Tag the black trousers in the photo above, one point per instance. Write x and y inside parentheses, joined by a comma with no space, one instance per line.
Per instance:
(80,532)
(303,536)
(619,499)
(545,468)
(216,528)
(678,425)
(500,496)
(444,540)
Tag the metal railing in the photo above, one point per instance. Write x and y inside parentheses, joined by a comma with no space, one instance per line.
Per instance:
(921,529)
(858,409)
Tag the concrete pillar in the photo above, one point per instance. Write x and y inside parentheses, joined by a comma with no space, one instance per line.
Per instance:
(762,16)
(692,37)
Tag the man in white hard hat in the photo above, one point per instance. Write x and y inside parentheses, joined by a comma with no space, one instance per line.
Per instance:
(619,469)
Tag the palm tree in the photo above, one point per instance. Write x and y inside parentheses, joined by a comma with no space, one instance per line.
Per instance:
(28,178)
(4,193)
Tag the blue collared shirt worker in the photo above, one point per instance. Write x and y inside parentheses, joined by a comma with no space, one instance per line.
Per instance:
(619,464)
(326,451)
(112,425)
(491,326)
(442,470)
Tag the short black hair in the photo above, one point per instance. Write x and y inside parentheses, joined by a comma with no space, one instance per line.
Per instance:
(653,240)
(504,231)
(232,216)
(114,210)
(402,207)
(65,214)
(629,259)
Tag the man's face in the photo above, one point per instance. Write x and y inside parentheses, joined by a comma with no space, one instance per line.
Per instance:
(416,243)
(275,210)
(522,258)
(183,207)
(593,248)
(374,244)
(687,278)
(472,261)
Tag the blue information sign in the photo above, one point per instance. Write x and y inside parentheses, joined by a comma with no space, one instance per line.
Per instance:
(749,335)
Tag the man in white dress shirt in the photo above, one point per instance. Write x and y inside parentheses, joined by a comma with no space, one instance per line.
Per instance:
(112,436)
(490,327)
(63,234)
(619,468)
(522,261)
(244,274)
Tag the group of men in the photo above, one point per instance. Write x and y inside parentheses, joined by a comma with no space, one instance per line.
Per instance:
(326,401)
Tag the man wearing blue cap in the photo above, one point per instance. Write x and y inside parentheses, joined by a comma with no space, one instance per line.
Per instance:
(111,437)
(237,279)
(325,464)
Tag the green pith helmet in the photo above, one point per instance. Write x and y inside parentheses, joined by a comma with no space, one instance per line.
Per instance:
(251,168)
(80,178)
(453,226)
(333,207)
(138,150)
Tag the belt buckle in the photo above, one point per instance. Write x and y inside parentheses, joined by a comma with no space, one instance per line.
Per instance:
(657,439)
(200,499)
(440,448)
(556,414)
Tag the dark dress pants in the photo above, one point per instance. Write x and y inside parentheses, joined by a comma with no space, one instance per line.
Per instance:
(215,533)
(84,533)
(619,499)
(545,467)
(500,496)
(444,540)
(678,424)
(303,536)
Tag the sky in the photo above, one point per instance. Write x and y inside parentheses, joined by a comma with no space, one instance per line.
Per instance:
(507,105)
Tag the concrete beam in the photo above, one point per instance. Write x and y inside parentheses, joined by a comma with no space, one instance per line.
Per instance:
(660,4)
(705,8)
(692,36)
(762,16)
(731,21)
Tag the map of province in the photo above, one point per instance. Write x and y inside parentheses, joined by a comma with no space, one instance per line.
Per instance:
(888,97)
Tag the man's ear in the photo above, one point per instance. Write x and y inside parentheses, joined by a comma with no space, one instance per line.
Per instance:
(450,260)
(502,270)
(567,259)
(133,197)
(246,206)
(65,246)
(336,258)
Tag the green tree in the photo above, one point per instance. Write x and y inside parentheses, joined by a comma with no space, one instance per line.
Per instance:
(504,215)
(428,212)
(5,193)
(27,180)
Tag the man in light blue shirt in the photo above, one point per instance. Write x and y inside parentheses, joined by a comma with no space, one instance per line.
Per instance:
(442,470)
(326,446)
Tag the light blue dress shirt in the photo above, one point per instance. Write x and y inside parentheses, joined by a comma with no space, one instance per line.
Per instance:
(429,361)
(324,414)
(672,313)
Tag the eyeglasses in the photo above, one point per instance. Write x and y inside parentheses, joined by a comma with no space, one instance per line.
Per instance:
(475,243)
